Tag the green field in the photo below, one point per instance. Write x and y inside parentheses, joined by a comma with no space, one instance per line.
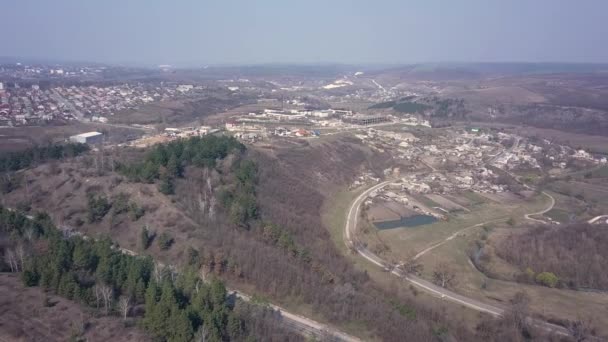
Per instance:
(402,241)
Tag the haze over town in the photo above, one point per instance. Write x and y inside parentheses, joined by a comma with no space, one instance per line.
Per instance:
(195,33)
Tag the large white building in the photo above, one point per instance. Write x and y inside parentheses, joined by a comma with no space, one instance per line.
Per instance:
(87,138)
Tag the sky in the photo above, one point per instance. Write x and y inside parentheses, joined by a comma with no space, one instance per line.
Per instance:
(201,32)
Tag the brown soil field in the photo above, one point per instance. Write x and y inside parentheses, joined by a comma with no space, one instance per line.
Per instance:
(18,138)
(388,210)
(24,317)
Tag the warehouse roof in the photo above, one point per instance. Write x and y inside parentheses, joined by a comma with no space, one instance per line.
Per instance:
(88,134)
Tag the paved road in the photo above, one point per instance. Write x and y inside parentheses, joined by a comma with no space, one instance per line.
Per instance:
(349,239)
(597,218)
(379,86)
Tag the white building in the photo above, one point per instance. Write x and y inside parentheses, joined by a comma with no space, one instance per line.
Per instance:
(87,138)
(184,87)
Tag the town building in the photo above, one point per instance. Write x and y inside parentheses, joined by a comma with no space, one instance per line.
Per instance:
(360,119)
(88,138)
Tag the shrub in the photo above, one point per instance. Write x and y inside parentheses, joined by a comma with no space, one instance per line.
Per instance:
(98,207)
(165,241)
(547,279)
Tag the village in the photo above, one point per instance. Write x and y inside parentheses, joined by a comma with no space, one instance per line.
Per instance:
(445,172)
(33,105)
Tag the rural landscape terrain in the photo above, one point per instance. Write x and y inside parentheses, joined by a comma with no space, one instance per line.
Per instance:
(449,202)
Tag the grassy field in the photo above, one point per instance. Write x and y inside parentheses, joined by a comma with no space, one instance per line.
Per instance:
(334,218)
(568,204)
(402,241)
(547,302)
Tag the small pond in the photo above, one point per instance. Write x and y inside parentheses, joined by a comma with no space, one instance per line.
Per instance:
(411,221)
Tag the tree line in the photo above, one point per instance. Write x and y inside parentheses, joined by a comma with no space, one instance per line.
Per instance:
(571,255)
(14,161)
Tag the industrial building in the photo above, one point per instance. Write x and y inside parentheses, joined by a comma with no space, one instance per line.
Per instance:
(360,119)
(87,138)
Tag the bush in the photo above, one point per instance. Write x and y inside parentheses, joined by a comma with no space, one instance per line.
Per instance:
(547,279)
(120,204)
(165,241)
(145,238)
(135,211)
(98,207)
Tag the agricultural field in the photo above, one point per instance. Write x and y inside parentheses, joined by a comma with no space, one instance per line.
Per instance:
(404,241)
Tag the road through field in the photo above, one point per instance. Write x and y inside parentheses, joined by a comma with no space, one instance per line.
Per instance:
(351,242)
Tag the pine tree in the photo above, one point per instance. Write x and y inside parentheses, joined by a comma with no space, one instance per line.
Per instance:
(165,184)
(173,169)
(145,238)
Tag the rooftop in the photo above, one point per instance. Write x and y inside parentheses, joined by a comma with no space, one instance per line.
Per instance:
(88,134)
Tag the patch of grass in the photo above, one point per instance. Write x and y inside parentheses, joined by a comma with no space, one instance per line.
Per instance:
(601,172)
(558,215)
(474,198)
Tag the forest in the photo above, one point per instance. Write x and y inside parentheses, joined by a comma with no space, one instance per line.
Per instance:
(572,256)
(13,161)
(177,306)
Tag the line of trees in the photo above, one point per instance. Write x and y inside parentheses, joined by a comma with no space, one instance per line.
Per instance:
(14,161)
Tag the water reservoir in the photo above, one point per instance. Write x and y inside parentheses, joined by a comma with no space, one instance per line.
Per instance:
(411,221)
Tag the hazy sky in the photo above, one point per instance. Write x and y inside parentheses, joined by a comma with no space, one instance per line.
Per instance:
(307,31)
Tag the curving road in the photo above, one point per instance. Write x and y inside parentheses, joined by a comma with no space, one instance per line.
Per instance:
(598,218)
(351,242)
(527,216)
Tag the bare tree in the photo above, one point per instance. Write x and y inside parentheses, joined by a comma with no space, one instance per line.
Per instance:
(212,203)
(582,329)
(411,265)
(124,304)
(97,292)
(29,233)
(106,293)
(158,272)
(444,276)
(519,310)
(11,259)
(172,272)
(202,334)
(20,253)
